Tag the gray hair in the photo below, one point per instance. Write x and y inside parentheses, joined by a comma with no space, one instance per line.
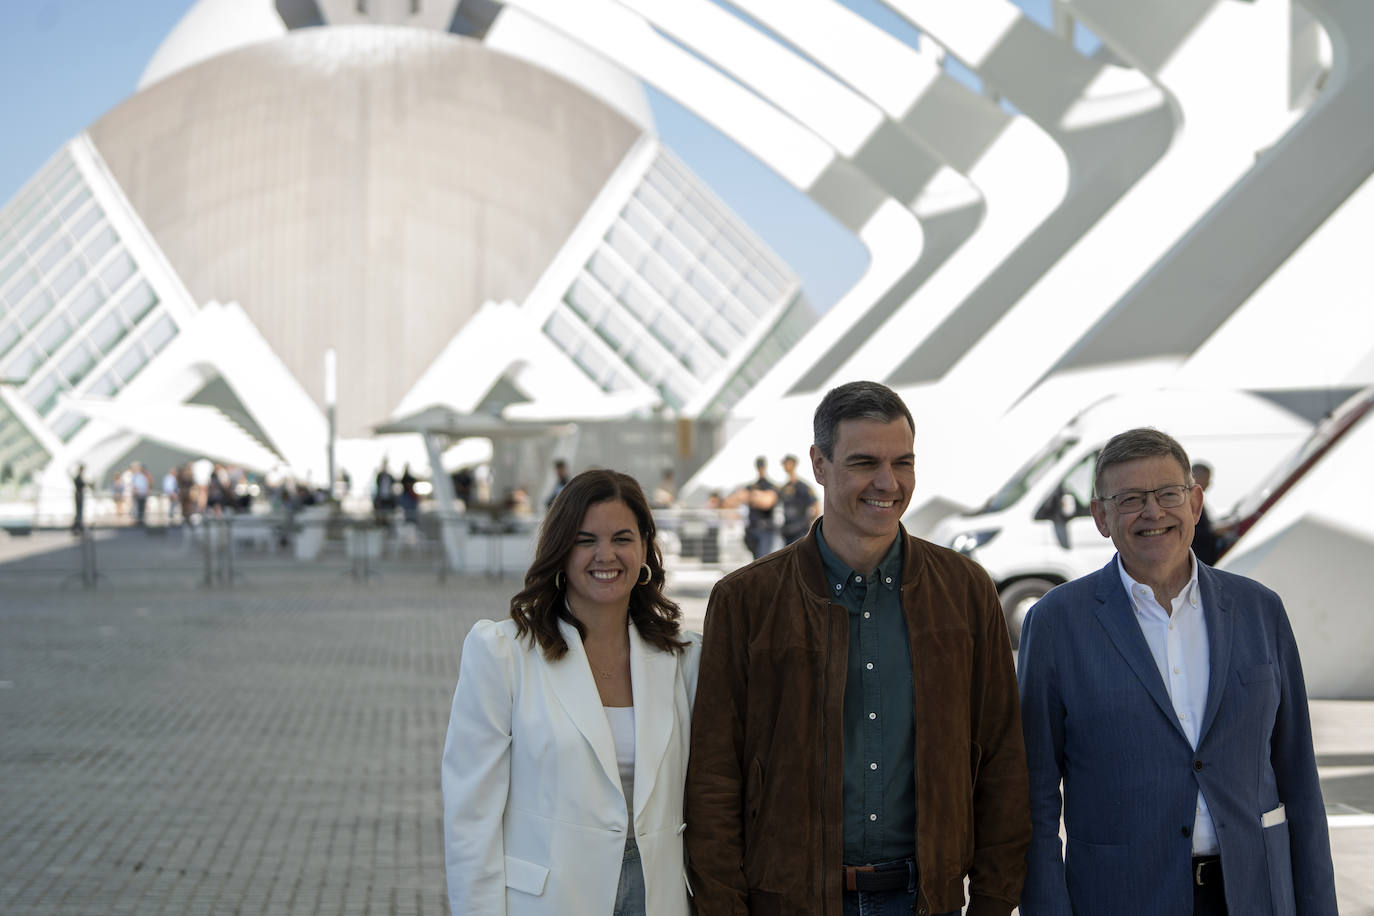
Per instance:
(855,401)
(1141,442)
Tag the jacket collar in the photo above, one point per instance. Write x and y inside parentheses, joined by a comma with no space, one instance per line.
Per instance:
(1117,617)
(652,675)
(806,554)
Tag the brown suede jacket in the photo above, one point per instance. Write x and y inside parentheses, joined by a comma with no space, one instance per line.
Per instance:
(765,776)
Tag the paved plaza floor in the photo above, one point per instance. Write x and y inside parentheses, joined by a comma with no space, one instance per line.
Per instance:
(271,745)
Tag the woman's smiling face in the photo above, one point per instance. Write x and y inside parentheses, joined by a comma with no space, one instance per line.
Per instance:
(606,559)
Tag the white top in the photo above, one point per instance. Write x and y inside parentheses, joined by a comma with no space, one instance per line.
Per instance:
(622,720)
(1178,641)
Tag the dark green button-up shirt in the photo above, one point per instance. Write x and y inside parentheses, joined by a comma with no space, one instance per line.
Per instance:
(879,719)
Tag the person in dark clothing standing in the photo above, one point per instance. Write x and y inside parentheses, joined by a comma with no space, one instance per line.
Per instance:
(79,499)
(798,502)
(761,496)
(1204,537)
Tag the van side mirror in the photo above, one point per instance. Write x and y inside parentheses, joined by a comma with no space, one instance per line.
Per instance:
(1050,509)
(1068,505)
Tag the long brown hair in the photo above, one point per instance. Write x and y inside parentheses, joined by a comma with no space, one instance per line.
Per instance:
(537,609)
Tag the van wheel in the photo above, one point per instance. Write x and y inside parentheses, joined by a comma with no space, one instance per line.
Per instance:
(1017,599)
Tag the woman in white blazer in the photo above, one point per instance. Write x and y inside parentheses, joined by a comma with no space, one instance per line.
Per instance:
(577,703)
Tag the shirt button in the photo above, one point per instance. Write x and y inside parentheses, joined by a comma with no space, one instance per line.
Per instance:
(888,580)
(858,578)
(867,615)
(873,817)
(1182,716)
(1177,670)
(873,715)
(872,766)
(869,666)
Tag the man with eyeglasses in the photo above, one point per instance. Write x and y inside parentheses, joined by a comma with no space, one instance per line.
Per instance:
(1167,698)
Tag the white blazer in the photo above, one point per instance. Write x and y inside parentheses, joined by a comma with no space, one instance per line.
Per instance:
(534,815)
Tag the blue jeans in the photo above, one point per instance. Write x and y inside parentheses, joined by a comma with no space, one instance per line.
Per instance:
(629,896)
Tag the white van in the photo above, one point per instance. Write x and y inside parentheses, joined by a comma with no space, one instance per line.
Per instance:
(1036,531)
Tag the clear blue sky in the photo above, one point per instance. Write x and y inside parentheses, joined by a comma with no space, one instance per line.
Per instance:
(64,63)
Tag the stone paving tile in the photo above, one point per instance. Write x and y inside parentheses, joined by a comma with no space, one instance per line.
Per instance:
(273,748)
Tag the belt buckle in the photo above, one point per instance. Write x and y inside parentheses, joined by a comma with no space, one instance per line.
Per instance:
(1197,873)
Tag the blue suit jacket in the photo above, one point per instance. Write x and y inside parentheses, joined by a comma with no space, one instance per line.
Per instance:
(1097,716)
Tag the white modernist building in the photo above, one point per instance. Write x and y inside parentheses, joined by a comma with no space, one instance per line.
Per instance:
(472,220)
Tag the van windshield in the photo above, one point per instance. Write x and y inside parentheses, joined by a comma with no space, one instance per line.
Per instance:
(1028,475)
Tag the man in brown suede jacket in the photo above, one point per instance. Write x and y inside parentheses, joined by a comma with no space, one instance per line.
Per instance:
(856,739)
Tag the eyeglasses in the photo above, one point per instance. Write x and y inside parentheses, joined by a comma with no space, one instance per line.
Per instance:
(1132,501)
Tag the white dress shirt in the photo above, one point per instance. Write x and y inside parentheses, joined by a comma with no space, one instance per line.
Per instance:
(1178,642)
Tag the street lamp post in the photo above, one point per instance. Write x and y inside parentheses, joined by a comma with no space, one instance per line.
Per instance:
(330,395)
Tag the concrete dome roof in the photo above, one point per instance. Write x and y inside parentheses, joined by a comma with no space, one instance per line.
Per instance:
(361,187)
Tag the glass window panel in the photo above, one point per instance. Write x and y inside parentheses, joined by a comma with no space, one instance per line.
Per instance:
(687,234)
(674,254)
(586,299)
(77,363)
(43,395)
(723,337)
(659,275)
(26,281)
(68,277)
(615,329)
(100,243)
(54,253)
(10,266)
(104,386)
(77,201)
(701,360)
(45,232)
(707,285)
(86,301)
(637,216)
(38,306)
(87,221)
(68,425)
(22,364)
(130,362)
(607,271)
(138,302)
(107,332)
(627,244)
(593,362)
(158,336)
(638,302)
(716,261)
(117,271)
(9,334)
(55,334)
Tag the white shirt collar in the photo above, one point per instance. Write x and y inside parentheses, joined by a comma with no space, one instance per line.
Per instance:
(1191,593)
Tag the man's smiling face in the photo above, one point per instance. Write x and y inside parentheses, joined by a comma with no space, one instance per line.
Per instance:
(1154,543)
(868,484)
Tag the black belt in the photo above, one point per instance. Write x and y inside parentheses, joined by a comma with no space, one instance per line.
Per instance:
(1206,870)
(890,876)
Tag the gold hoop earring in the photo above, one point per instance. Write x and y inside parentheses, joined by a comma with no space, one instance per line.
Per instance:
(648,574)
(558,580)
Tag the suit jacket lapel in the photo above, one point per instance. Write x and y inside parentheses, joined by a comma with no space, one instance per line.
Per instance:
(1216,605)
(654,676)
(1117,616)
(573,684)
